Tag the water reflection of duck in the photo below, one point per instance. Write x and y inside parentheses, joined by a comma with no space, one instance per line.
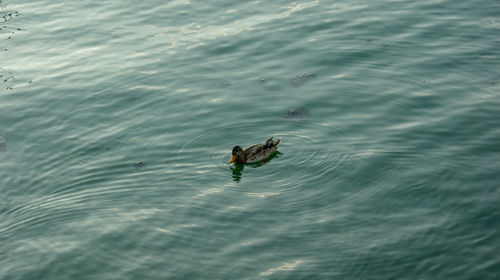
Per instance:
(254,153)
(237,169)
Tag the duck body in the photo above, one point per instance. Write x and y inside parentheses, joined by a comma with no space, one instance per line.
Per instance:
(254,153)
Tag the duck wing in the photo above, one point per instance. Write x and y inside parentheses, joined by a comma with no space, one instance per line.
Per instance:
(261,151)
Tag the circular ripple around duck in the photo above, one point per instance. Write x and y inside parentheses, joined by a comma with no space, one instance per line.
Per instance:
(306,154)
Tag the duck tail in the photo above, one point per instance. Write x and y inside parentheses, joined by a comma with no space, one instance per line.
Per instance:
(270,143)
(277,142)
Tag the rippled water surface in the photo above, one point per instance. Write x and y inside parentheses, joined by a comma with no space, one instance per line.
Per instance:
(117,120)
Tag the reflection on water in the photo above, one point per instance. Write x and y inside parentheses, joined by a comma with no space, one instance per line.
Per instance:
(237,169)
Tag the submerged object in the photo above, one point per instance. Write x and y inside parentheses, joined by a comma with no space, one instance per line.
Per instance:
(139,164)
(3,144)
(255,153)
(224,83)
(302,79)
(297,114)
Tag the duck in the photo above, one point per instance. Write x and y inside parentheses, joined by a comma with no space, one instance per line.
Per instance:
(255,152)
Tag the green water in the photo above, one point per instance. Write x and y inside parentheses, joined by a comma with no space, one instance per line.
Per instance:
(117,120)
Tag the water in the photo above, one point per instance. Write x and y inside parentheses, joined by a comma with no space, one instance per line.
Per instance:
(117,121)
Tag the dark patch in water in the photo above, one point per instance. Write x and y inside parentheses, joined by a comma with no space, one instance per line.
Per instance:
(302,79)
(8,15)
(423,82)
(225,83)
(262,81)
(139,164)
(297,114)
(8,27)
(3,144)
(385,45)
(5,76)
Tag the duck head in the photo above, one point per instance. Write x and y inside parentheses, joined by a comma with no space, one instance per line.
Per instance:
(238,155)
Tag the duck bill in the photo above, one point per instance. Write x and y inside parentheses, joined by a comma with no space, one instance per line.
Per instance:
(233,159)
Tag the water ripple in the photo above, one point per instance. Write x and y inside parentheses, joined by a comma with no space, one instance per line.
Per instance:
(311,158)
(194,34)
